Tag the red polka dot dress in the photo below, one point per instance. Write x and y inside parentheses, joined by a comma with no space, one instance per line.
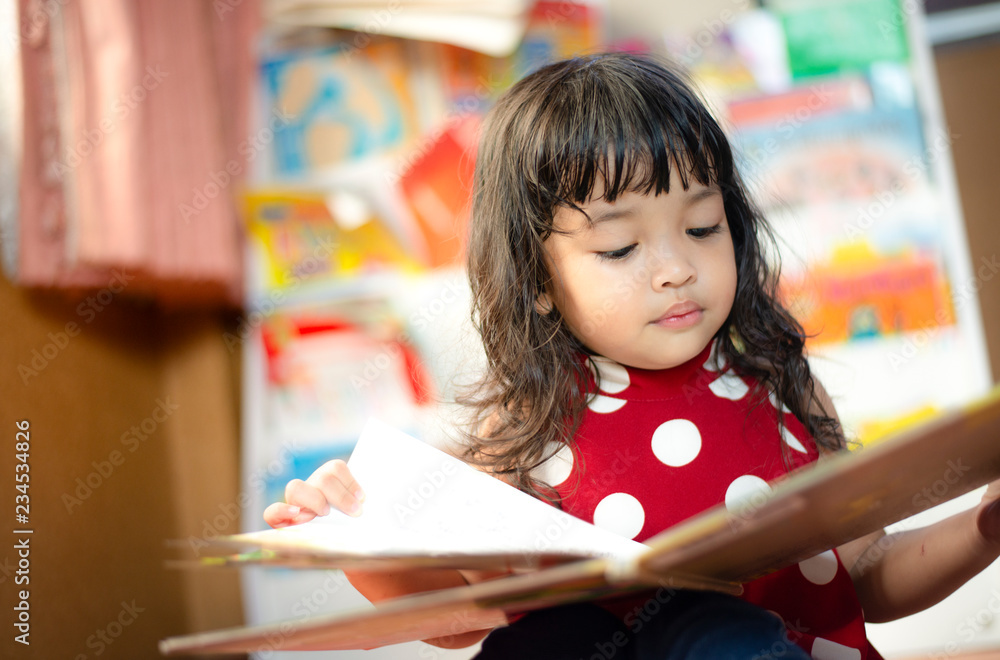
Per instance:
(657,447)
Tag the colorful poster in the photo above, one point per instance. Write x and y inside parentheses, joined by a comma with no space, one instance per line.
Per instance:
(339,104)
(848,178)
(302,239)
(859,295)
(830,36)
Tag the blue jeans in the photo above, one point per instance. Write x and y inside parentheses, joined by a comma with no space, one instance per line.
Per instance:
(688,625)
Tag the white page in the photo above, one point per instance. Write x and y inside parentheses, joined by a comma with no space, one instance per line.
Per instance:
(422,501)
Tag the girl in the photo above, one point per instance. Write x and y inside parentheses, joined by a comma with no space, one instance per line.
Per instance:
(641,369)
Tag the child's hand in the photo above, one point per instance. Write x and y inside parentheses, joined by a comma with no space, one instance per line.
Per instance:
(988,518)
(331,485)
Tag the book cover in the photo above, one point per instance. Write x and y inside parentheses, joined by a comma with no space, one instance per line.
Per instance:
(841,498)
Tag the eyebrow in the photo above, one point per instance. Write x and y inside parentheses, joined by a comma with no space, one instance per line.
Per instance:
(701,195)
(615,212)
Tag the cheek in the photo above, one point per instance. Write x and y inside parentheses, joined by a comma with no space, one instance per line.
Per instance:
(725,276)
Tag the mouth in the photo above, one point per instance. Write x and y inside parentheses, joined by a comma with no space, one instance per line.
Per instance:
(680,315)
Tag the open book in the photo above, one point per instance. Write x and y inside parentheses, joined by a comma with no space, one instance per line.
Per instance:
(425,508)
(424,505)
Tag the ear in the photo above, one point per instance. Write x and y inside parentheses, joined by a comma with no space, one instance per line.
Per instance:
(543,304)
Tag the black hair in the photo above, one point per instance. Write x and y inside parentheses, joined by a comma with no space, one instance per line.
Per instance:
(628,120)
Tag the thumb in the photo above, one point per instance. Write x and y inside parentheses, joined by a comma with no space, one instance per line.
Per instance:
(988,520)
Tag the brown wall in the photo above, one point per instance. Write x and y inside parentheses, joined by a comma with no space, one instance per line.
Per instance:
(94,559)
(969,78)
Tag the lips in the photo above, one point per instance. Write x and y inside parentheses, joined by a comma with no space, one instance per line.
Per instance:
(680,315)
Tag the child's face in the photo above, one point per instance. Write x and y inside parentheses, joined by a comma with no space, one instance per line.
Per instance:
(651,280)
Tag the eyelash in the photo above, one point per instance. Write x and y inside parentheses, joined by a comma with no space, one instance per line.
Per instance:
(619,254)
(698,233)
(705,231)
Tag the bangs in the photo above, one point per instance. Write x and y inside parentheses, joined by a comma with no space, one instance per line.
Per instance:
(626,122)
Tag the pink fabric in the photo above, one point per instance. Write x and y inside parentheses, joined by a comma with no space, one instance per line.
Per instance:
(657,447)
(42,259)
(134,112)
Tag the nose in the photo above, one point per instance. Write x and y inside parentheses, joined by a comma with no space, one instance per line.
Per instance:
(670,268)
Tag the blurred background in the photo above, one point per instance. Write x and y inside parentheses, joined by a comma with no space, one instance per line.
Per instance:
(232,231)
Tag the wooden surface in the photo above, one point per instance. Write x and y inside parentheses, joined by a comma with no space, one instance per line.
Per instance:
(969,78)
(93,561)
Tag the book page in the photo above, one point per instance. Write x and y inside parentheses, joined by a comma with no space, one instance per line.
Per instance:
(421,501)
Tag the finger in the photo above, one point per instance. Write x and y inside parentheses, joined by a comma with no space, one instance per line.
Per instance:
(992,491)
(280,514)
(306,496)
(339,487)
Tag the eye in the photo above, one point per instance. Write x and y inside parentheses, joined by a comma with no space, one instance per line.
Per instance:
(615,255)
(704,232)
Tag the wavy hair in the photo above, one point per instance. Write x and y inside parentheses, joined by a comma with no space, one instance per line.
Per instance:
(628,120)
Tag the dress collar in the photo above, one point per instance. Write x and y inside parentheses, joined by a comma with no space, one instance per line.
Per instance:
(622,382)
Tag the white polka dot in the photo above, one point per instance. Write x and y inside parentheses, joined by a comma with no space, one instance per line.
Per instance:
(746,492)
(611,377)
(714,362)
(729,386)
(792,441)
(556,468)
(820,569)
(620,513)
(605,404)
(676,442)
(824,649)
(778,406)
